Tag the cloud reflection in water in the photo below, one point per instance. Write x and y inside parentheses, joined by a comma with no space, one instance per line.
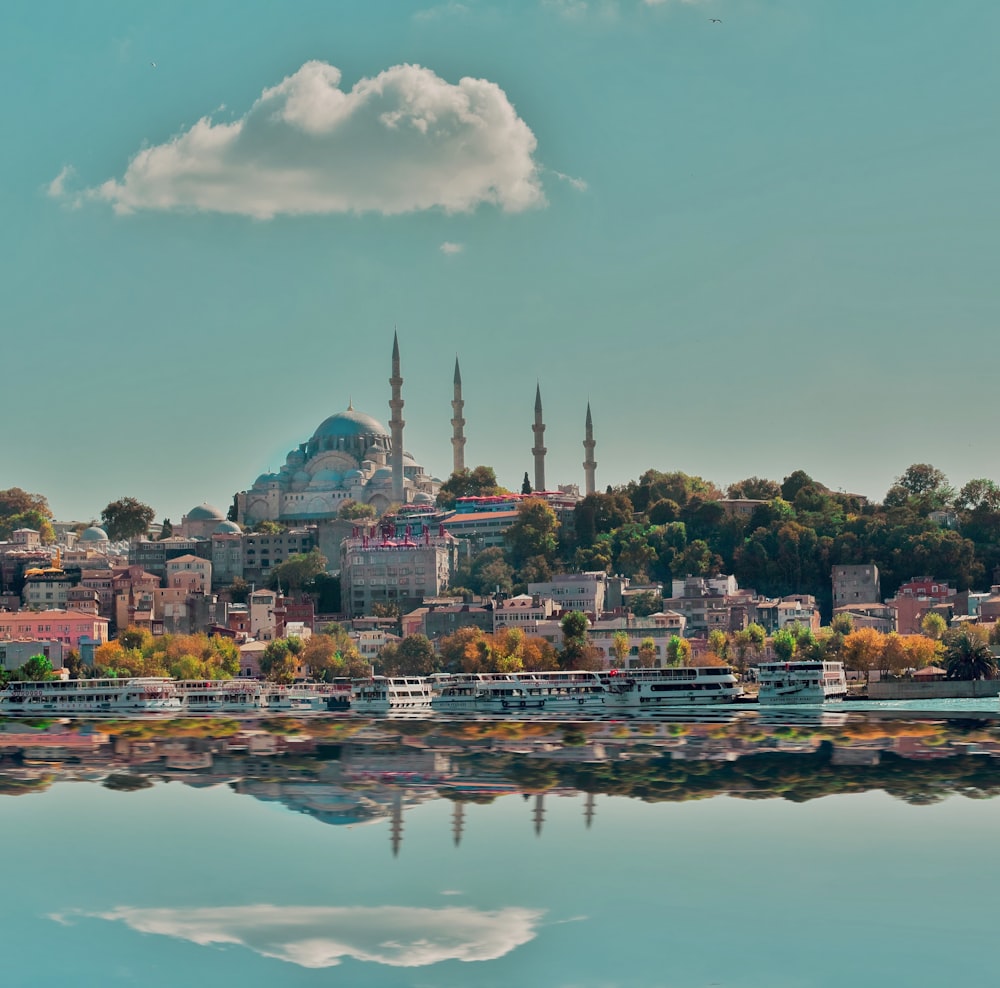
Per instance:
(320,936)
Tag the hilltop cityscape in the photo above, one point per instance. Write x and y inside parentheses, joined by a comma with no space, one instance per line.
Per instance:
(354,557)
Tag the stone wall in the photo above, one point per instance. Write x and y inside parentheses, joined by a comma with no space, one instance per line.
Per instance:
(943,690)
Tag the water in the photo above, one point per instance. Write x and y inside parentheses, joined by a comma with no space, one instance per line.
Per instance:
(733,848)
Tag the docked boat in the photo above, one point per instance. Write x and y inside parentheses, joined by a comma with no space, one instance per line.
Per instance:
(138,695)
(501,696)
(235,696)
(801,681)
(300,698)
(389,694)
(683,686)
(564,690)
(461,691)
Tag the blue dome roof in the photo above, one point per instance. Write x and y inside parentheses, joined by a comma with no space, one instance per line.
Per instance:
(205,512)
(93,534)
(350,425)
(227,528)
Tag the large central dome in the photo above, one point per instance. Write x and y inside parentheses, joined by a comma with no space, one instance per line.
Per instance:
(349,425)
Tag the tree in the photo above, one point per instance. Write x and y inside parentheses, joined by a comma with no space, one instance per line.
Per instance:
(785,644)
(742,645)
(37,669)
(351,510)
(754,488)
(575,641)
(413,656)
(479,482)
(278,662)
(968,655)
(718,643)
(489,571)
(620,649)
(533,533)
(525,484)
(297,571)
(933,625)
(842,624)
(268,527)
(19,509)
(862,650)
(678,650)
(166,529)
(645,603)
(126,518)
(647,653)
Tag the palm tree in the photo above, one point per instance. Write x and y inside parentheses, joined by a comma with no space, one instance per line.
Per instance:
(969,657)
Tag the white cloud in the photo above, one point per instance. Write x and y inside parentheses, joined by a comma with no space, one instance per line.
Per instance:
(452,248)
(578,183)
(402,141)
(321,936)
(57,187)
(450,9)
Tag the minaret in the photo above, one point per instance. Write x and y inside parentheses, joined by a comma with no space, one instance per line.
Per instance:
(589,463)
(538,450)
(458,424)
(396,424)
(457,821)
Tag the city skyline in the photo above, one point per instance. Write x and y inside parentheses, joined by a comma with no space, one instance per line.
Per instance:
(753,247)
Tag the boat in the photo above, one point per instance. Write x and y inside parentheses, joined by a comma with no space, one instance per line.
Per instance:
(565,690)
(385,694)
(683,686)
(220,696)
(501,695)
(801,681)
(136,695)
(460,691)
(300,698)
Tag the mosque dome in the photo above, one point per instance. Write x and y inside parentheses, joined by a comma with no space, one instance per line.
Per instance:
(227,528)
(350,424)
(205,512)
(93,534)
(262,481)
(422,498)
(325,478)
(352,475)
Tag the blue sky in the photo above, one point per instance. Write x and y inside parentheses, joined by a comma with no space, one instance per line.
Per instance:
(755,246)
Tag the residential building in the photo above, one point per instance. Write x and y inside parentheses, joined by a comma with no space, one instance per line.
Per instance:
(190,572)
(524,611)
(585,592)
(855,585)
(67,627)
(13,654)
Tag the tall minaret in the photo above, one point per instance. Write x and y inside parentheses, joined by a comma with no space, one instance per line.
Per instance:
(396,424)
(538,450)
(589,463)
(458,424)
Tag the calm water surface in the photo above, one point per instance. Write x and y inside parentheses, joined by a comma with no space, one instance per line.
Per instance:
(842,848)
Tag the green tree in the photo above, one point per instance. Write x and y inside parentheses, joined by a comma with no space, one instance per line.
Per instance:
(575,641)
(479,482)
(842,624)
(37,669)
(755,488)
(352,510)
(678,650)
(969,656)
(718,643)
(933,625)
(525,484)
(268,527)
(297,571)
(126,518)
(166,529)
(19,509)
(278,662)
(785,644)
(647,653)
(645,603)
(534,533)
(413,656)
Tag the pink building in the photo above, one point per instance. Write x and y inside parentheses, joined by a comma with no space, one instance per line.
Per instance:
(58,625)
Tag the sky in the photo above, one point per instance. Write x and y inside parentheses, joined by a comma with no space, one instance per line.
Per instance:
(756,245)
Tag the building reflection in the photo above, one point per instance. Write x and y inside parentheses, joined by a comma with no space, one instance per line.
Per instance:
(350,772)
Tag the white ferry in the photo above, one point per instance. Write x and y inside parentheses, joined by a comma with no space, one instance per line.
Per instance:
(300,698)
(683,686)
(565,690)
(510,695)
(139,695)
(385,694)
(461,690)
(801,681)
(220,696)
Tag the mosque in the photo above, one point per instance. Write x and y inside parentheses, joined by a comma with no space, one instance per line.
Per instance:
(353,456)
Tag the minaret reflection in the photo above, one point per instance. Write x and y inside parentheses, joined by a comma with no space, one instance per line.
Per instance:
(457,821)
(539,813)
(588,809)
(396,827)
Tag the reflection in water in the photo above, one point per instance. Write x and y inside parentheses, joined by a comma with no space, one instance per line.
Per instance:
(318,936)
(354,772)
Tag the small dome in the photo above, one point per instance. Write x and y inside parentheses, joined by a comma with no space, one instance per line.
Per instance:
(205,512)
(383,473)
(93,534)
(422,497)
(354,475)
(227,528)
(262,481)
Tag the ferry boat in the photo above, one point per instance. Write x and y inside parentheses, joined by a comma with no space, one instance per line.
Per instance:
(300,698)
(138,695)
(683,686)
(220,696)
(385,694)
(501,696)
(461,690)
(565,690)
(801,681)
